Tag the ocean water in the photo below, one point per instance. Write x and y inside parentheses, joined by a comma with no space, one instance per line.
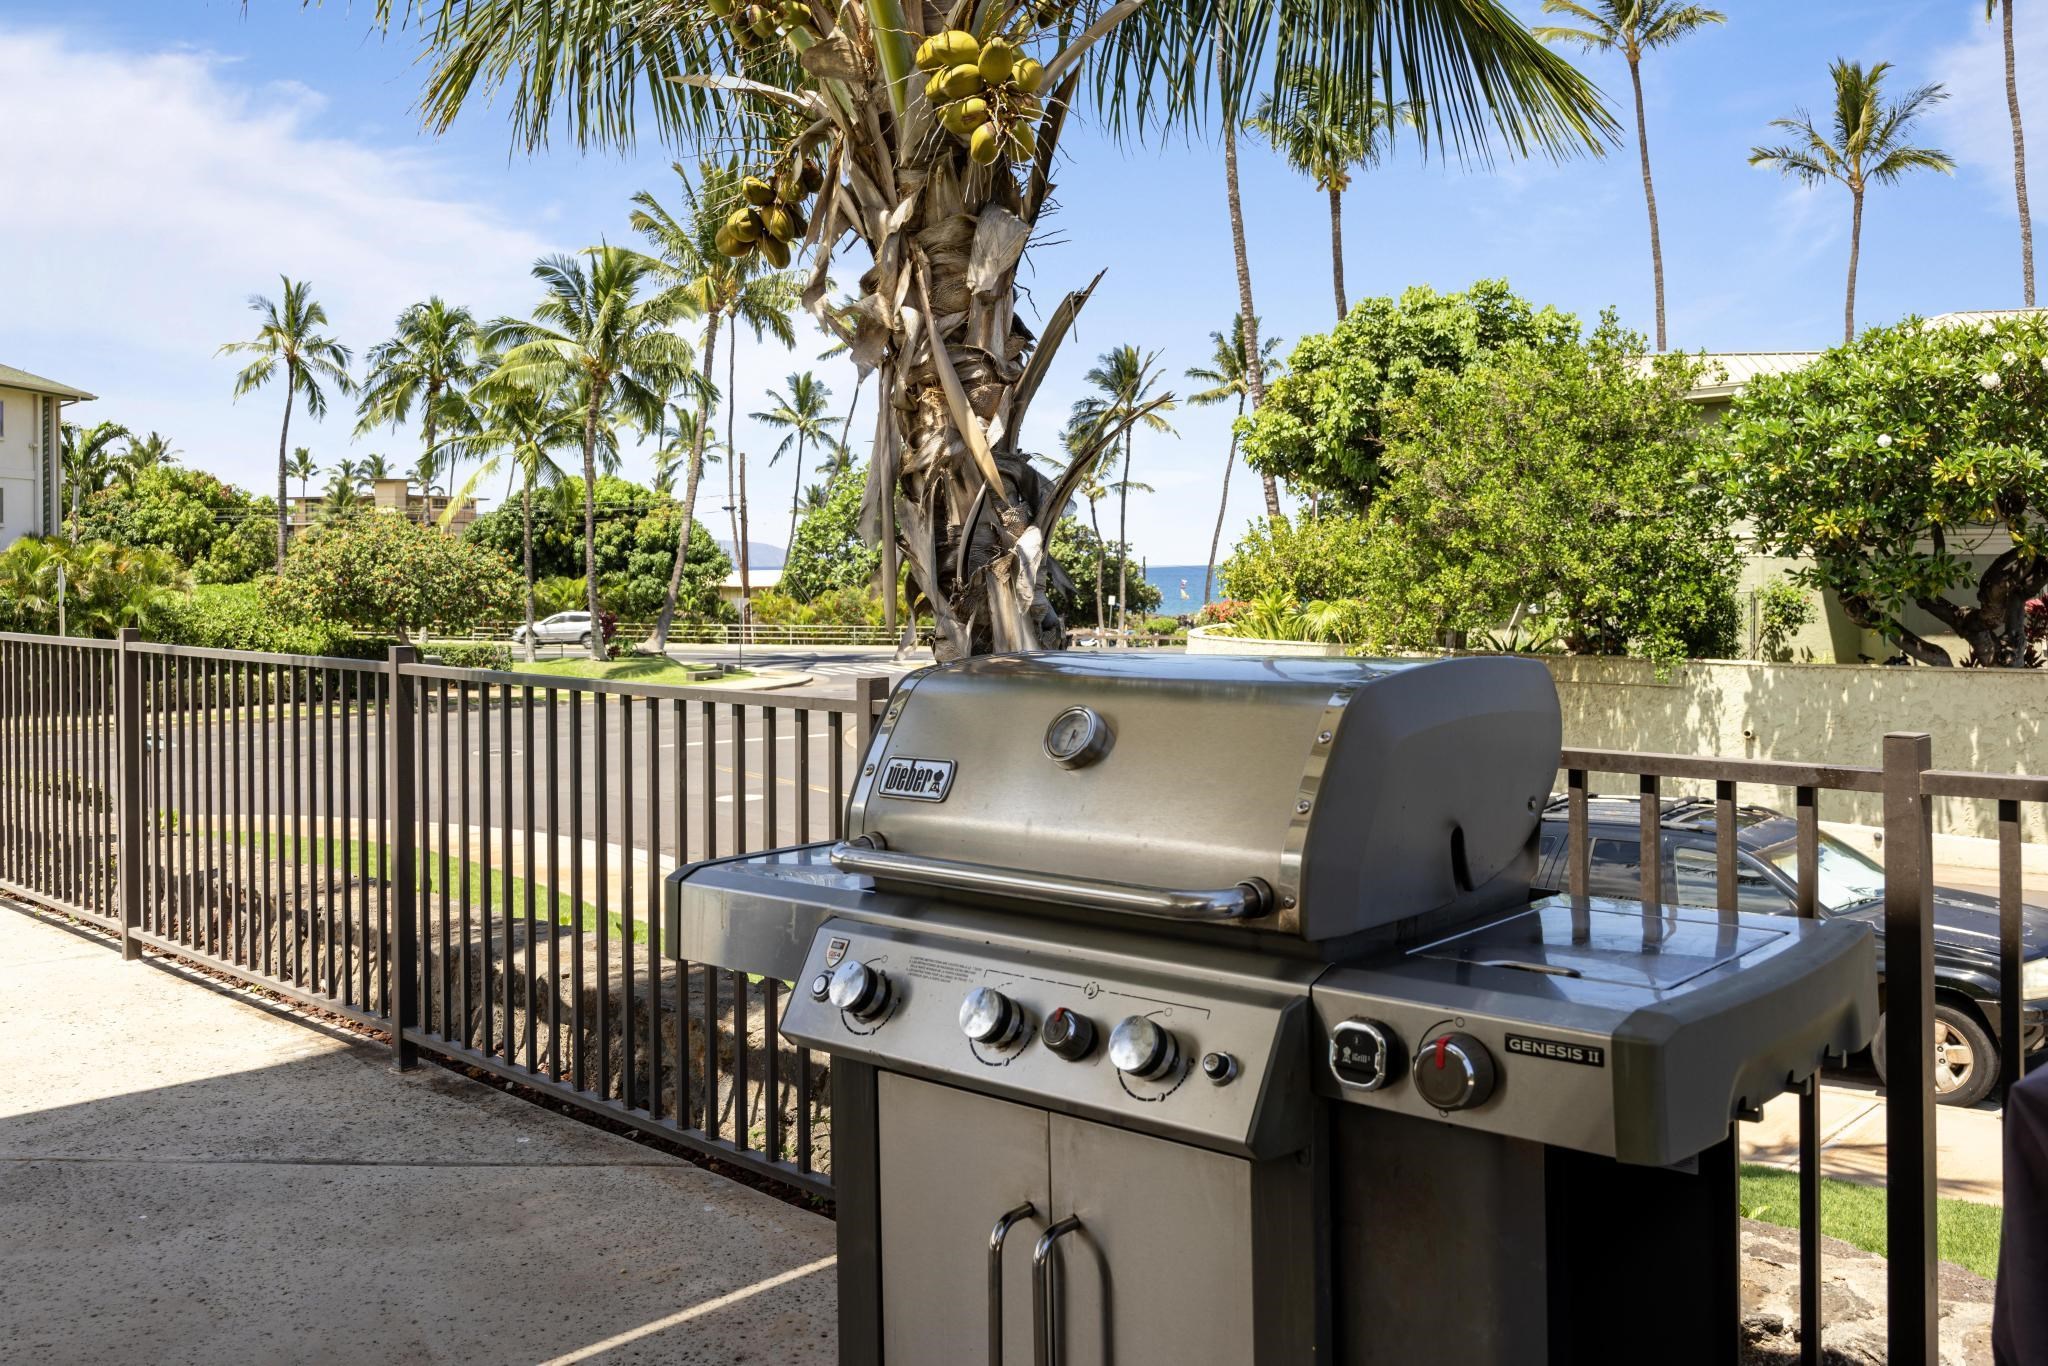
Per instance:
(1180,587)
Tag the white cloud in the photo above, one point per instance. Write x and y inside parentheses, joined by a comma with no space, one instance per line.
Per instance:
(1974,124)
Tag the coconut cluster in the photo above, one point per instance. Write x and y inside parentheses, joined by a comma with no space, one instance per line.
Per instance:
(986,93)
(773,215)
(755,24)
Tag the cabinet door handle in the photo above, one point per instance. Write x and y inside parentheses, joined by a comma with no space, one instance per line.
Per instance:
(1045,1295)
(996,1236)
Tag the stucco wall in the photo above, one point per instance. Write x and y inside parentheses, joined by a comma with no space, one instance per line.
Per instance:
(20,465)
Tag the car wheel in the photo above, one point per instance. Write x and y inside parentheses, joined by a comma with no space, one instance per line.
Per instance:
(1965,1060)
(584,640)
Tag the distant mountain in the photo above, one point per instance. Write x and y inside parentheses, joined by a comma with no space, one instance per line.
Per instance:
(760,554)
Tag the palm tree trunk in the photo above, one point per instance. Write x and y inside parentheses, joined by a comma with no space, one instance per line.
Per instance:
(732,499)
(1635,75)
(526,539)
(1337,247)
(1101,551)
(597,650)
(795,495)
(658,642)
(1247,318)
(1222,508)
(1123,547)
(2019,161)
(1855,250)
(283,435)
(846,431)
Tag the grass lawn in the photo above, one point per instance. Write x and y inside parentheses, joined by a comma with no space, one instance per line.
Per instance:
(628,669)
(1966,1232)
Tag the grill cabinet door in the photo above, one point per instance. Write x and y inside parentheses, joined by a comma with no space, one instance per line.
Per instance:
(951,1164)
(1161,1271)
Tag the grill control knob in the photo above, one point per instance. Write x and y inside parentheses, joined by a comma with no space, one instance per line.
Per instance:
(989,1017)
(1140,1047)
(859,990)
(1069,1034)
(1454,1072)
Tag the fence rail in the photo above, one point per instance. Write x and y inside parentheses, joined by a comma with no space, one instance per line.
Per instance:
(474,860)
(714,633)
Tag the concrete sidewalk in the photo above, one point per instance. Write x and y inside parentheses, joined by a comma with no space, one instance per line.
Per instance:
(1969,1143)
(188,1176)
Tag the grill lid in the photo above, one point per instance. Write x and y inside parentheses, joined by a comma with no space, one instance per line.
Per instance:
(1316,797)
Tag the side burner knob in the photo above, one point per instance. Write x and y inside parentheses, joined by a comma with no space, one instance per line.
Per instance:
(859,990)
(1139,1047)
(1069,1034)
(991,1018)
(1455,1072)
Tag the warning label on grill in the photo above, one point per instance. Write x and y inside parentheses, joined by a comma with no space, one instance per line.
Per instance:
(1557,1050)
(917,780)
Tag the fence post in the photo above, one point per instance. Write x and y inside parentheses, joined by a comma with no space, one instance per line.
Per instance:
(400,802)
(1909,1047)
(129,842)
(869,692)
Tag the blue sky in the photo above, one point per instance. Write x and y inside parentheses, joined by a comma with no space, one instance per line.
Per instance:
(166,158)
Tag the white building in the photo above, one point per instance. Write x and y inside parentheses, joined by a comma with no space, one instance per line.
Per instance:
(31,467)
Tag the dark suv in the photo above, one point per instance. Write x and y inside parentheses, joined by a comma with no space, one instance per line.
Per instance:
(1850,885)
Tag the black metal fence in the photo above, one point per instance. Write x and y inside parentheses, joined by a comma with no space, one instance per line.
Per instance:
(472,861)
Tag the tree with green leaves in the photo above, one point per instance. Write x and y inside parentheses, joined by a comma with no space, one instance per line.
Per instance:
(289,342)
(428,362)
(383,572)
(301,467)
(933,149)
(1868,147)
(1324,140)
(1082,555)
(1885,461)
(1126,397)
(374,468)
(143,454)
(1227,378)
(87,459)
(827,553)
(1320,428)
(720,288)
(1633,27)
(527,429)
(2019,146)
(106,586)
(220,532)
(801,411)
(597,333)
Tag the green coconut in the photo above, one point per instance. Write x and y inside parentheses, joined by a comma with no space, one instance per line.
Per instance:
(998,58)
(986,145)
(757,191)
(1029,74)
(777,253)
(743,226)
(961,81)
(955,47)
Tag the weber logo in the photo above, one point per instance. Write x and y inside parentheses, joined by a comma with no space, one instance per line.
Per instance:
(917,780)
(1557,1050)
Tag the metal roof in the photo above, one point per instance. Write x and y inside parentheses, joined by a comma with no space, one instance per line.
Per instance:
(11,378)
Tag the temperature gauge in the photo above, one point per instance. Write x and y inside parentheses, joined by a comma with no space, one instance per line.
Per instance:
(1077,737)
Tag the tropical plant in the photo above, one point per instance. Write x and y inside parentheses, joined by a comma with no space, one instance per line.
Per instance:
(1887,464)
(96,587)
(88,459)
(1783,608)
(382,571)
(944,175)
(594,332)
(374,468)
(801,412)
(1279,615)
(302,468)
(425,475)
(2019,146)
(1868,148)
(1227,377)
(221,532)
(1311,559)
(290,341)
(1082,556)
(1324,139)
(1320,428)
(827,552)
(344,494)
(720,287)
(143,454)
(1125,382)
(430,359)
(1633,27)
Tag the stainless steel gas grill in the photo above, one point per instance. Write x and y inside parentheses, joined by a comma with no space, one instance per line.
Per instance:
(1190,1011)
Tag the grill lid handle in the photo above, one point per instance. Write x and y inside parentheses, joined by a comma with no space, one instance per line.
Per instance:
(868,854)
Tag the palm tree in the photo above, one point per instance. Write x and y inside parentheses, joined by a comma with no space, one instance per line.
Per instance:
(1225,376)
(593,330)
(425,475)
(802,413)
(1323,139)
(88,460)
(1633,27)
(344,489)
(142,455)
(1869,148)
(1124,382)
(527,427)
(431,358)
(373,468)
(290,339)
(848,138)
(301,468)
(2019,147)
(740,289)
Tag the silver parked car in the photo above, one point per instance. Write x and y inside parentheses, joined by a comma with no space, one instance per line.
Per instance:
(561,628)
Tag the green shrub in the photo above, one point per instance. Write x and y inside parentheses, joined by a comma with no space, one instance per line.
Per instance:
(475,654)
(384,573)
(1318,558)
(834,607)
(236,616)
(1783,608)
